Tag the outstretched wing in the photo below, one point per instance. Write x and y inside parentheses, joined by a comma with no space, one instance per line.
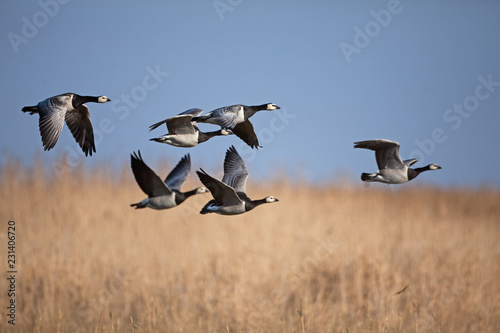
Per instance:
(195,112)
(51,121)
(235,171)
(245,132)
(386,152)
(80,125)
(410,162)
(181,124)
(225,117)
(222,193)
(177,177)
(192,112)
(148,180)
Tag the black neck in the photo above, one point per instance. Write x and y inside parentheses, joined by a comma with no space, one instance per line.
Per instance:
(251,110)
(181,196)
(204,136)
(79,100)
(251,204)
(412,173)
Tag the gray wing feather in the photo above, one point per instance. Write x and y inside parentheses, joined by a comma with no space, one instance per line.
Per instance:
(177,177)
(386,152)
(195,112)
(226,117)
(235,171)
(51,122)
(173,123)
(180,125)
(410,162)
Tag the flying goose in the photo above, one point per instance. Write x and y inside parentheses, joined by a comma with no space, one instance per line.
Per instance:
(235,118)
(162,195)
(67,107)
(229,194)
(392,170)
(183,131)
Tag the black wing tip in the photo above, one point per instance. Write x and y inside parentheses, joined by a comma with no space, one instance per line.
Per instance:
(231,149)
(88,150)
(186,161)
(156,125)
(201,173)
(358,144)
(136,156)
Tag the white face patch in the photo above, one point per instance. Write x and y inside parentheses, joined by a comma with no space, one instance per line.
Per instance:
(201,190)
(272,107)
(270,199)
(102,99)
(434,167)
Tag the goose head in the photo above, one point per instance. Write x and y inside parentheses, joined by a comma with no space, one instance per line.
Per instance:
(270,199)
(102,99)
(201,190)
(434,167)
(272,107)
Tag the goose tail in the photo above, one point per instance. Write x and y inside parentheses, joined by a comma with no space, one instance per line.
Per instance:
(160,139)
(367,177)
(139,205)
(30,109)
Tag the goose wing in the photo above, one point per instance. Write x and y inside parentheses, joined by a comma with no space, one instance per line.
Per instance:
(80,125)
(195,112)
(235,171)
(410,162)
(192,112)
(386,152)
(147,179)
(177,177)
(245,132)
(51,121)
(222,193)
(227,116)
(181,125)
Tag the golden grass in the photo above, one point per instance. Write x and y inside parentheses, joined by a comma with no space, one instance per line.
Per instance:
(327,259)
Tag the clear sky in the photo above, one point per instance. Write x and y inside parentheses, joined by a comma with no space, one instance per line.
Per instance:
(423,73)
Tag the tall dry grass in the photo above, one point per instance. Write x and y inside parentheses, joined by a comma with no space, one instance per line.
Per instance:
(327,259)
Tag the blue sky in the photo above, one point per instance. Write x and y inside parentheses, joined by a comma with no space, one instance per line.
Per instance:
(423,73)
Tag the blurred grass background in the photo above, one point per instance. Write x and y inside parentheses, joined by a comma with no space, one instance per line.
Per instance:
(325,258)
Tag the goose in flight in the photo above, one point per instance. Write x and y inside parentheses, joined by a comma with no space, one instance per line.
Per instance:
(183,131)
(235,118)
(229,194)
(162,194)
(392,170)
(54,111)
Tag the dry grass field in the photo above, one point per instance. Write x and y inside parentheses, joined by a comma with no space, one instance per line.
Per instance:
(322,259)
